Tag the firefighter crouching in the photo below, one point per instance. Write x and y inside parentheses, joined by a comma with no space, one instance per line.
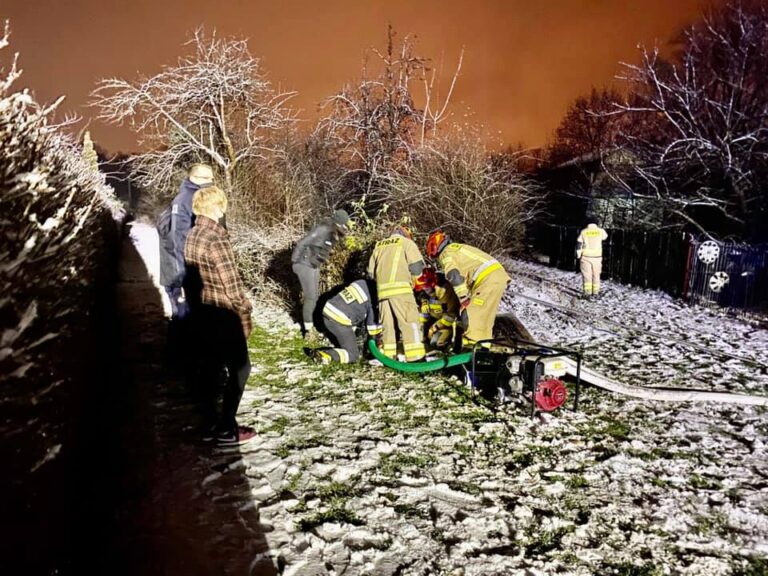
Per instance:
(395,264)
(352,307)
(439,307)
(589,251)
(478,280)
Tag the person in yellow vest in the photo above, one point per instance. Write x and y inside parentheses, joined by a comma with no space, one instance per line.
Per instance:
(589,251)
(478,280)
(439,307)
(395,264)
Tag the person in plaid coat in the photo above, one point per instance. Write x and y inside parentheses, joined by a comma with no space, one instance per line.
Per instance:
(222,318)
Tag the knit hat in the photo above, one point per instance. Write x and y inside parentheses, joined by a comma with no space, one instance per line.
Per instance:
(340,218)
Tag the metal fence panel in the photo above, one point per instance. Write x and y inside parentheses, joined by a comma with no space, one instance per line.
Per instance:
(728,274)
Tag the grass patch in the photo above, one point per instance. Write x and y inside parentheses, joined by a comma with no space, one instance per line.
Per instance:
(337,515)
(278,425)
(466,487)
(334,497)
(411,511)
(702,483)
(577,481)
(546,541)
(397,462)
(298,444)
(752,566)
(715,523)
(336,490)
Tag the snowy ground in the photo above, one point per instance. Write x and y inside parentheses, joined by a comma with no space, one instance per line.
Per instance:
(360,470)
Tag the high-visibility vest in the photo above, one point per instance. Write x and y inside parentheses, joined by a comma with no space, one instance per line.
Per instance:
(469,265)
(590,242)
(389,266)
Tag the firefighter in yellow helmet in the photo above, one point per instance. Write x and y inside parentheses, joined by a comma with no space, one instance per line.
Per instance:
(478,280)
(589,251)
(395,264)
(439,307)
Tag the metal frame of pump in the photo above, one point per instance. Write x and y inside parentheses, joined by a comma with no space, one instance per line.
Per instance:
(527,369)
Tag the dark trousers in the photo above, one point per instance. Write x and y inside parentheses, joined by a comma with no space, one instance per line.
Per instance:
(309,278)
(344,337)
(223,364)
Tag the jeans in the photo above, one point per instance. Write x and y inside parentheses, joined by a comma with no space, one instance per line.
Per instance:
(310,283)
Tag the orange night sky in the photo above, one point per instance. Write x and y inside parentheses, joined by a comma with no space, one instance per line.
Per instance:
(525,60)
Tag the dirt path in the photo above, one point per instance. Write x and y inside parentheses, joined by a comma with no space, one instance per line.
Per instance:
(170,519)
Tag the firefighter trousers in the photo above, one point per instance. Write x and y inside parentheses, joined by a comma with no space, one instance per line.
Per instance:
(400,313)
(590,273)
(345,339)
(480,315)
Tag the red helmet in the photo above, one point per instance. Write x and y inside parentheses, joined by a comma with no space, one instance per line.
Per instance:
(427,280)
(436,242)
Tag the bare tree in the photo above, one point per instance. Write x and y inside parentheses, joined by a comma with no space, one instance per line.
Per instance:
(455,185)
(699,131)
(374,126)
(215,105)
(589,128)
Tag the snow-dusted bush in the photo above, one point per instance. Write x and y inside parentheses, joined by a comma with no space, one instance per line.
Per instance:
(264,260)
(57,247)
(456,186)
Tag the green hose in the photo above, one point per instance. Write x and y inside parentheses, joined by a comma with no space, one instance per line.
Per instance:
(431,366)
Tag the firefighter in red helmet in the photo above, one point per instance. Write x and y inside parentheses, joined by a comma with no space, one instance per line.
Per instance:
(439,307)
(478,280)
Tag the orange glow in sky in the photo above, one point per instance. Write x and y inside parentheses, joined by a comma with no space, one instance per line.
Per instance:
(524,62)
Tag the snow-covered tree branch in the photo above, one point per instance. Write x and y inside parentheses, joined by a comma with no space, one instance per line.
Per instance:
(215,105)
(699,131)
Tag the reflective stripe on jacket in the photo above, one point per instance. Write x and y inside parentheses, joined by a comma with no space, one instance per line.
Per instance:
(354,306)
(466,267)
(394,264)
(590,242)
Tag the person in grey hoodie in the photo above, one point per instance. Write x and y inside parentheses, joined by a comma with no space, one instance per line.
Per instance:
(310,253)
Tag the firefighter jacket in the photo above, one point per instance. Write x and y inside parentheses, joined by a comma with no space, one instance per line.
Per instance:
(315,248)
(354,306)
(590,242)
(466,267)
(395,263)
(441,305)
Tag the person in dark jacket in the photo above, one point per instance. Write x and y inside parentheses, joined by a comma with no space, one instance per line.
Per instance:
(352,307)
(172,269)
(310,253)
(222,320)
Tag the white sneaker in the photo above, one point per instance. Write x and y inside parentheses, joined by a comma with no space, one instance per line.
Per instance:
(375,362)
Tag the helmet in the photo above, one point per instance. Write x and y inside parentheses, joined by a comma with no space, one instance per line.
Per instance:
(340,218)
(427,280)
(436,242)
(403,230)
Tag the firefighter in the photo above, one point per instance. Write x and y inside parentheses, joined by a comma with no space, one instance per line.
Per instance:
(350,308)
(308,256)
(477,279)
(439,307)
(395,264)
(589,251)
